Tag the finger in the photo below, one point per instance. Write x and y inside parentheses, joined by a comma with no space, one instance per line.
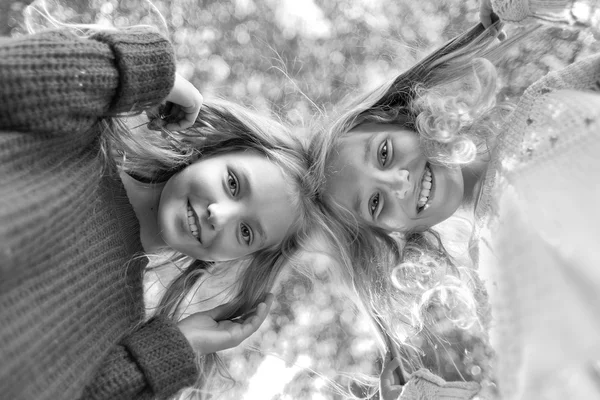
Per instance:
(485,16)
(189,100)
(188,120)
(251,324)
(174,116)
(268,303)
(388,382)
(261,310)
(387,375)
(485,19)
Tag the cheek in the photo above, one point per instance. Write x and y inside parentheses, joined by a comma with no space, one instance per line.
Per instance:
(194,182)
(455,189)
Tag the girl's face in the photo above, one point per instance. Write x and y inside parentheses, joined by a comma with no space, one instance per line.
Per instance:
(381,174)
(226,207)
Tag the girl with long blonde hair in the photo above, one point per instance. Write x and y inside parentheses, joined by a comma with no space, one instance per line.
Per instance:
(96,171)
(403,158)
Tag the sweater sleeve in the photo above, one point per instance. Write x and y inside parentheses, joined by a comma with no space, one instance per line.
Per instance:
(424,385)
(57,82)
(156,361)
(544,10)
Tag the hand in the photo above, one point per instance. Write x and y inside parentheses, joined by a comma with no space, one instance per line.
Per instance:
(389,383)
(183,105)
(207,333)
(488,17)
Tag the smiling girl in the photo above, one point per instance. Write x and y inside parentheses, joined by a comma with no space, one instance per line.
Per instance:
(382,175)
(216,183)
(236,193)
(407,155)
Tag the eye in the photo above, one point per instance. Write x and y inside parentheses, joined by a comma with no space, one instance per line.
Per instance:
(246,233)
(383,153)
(373,204)
(232,183)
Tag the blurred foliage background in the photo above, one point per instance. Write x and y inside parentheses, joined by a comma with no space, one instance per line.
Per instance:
(294,59)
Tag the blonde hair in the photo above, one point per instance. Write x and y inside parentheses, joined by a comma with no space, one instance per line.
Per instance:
(448,99)
(223,127)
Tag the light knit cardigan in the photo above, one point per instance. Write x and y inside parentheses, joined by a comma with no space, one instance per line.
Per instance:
(71,296)
(538,213)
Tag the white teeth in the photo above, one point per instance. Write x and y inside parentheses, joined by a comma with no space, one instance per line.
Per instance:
(192,222)
(426,185)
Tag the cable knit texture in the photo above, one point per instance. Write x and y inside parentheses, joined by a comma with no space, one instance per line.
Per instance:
(547,303)
(545,279)
(71,298)
(425,386)
(535,10)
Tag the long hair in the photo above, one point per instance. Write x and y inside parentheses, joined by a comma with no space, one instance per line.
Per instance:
(221,127)
(155,154)
(399,287)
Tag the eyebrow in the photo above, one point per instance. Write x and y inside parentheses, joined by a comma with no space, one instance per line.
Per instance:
(357,203)
(368,147)
(247,180)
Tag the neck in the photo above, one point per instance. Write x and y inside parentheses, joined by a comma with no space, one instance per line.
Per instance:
(473,176)
(145,199)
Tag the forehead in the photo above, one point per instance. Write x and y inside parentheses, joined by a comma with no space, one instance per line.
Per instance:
(272,200)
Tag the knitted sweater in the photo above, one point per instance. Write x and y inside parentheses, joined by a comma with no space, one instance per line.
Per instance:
(71,300)
(544,281)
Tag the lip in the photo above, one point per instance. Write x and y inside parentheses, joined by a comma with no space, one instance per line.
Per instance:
(197,220)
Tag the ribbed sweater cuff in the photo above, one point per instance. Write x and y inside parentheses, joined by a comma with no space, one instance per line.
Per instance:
(424,385)
(520,10)
(146,64)
(164,356)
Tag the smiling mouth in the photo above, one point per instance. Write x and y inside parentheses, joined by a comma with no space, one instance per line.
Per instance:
(427,189)
(193,222)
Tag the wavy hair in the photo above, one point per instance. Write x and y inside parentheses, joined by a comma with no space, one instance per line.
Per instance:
(151,153)
(154,154)
(448,99)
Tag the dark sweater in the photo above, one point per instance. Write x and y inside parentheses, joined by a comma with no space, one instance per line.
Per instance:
(71,296)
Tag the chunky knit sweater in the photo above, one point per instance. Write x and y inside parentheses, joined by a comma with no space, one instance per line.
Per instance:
(71,301)
(538,219)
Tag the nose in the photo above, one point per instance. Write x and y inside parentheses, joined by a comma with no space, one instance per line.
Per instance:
(220,214)
(399,183)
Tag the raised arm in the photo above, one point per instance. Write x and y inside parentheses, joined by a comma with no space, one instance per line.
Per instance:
(155,361)
(422,384)
(58,82)
(159,359)
(522,10)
